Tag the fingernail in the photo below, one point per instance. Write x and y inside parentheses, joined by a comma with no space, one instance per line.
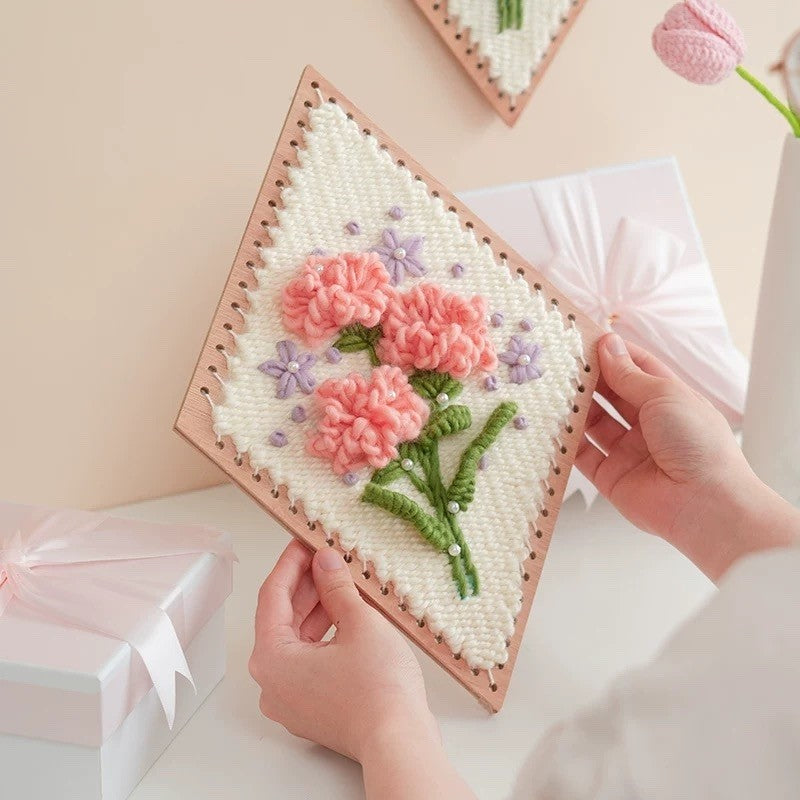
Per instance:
(615,345)
(329,560)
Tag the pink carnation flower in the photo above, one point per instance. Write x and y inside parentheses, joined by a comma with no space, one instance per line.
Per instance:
(429,328)
(332,292)
(365,418)
(700,41)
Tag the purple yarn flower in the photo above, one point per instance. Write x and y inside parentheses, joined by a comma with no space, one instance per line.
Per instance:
(292,370)
(521,356)
(333,355)
(400,256)
(350,479)
(278,439)
(490,383)
(395,212)
(299,414)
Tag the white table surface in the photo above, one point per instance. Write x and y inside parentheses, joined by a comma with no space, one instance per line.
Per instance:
(608,597)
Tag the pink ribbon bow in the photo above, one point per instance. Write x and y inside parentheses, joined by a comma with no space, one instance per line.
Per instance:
(63,538)
(641,288)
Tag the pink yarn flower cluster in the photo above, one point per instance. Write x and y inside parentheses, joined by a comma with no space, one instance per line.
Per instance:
(365,418)
(332,292)
(700,41)
(430,328)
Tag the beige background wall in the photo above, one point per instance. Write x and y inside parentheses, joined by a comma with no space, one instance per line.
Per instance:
(134,138)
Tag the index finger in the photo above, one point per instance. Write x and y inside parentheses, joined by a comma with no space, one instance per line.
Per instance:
(274,607)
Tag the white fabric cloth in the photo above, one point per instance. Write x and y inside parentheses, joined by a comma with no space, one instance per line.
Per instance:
(715,715)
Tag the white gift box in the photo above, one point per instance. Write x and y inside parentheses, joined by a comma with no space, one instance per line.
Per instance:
(80,717)
(623,245)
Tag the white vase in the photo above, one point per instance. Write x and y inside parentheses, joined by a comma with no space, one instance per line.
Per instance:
(771,428)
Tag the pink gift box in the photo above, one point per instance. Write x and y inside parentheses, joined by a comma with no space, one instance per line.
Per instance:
(79,714)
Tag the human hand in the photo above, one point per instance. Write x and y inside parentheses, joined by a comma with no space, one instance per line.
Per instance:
(361,693)
(336,693)
(676,470)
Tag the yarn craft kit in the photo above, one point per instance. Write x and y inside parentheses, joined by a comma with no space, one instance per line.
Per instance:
(385,376)
(505,46)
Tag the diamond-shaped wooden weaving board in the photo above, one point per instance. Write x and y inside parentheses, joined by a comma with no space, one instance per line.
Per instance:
(337,183)
(505,63)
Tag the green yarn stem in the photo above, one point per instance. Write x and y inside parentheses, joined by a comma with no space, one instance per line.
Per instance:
(792,118)
(509,14)
(420,485)
(464,573)
(502,16)
(373,355)
(440,529)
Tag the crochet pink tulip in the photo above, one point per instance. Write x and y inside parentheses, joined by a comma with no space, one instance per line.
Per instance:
(332,292)
(365,418)
(700,41)
(429,328)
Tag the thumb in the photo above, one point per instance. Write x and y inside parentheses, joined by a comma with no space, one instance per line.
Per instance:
(337,592)
(623,376)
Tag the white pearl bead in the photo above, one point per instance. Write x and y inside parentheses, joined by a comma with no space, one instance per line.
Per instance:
(454,550)
(293,366)
(524,360)
(442,398)
(399,253)
(453,507)
(391,395)
(407,464)
(320,267)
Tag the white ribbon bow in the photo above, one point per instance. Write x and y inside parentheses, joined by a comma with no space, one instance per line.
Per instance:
(642,290)
(114,608)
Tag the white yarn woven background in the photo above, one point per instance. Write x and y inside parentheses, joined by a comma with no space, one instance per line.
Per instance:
(513,55)
(344,176)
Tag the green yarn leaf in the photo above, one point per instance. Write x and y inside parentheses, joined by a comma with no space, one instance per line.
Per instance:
(462,489)
(445,422)
(430,384)
(404,507)
(391,472)
(355,338)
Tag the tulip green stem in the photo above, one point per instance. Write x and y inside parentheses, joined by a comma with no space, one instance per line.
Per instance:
(794,121)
